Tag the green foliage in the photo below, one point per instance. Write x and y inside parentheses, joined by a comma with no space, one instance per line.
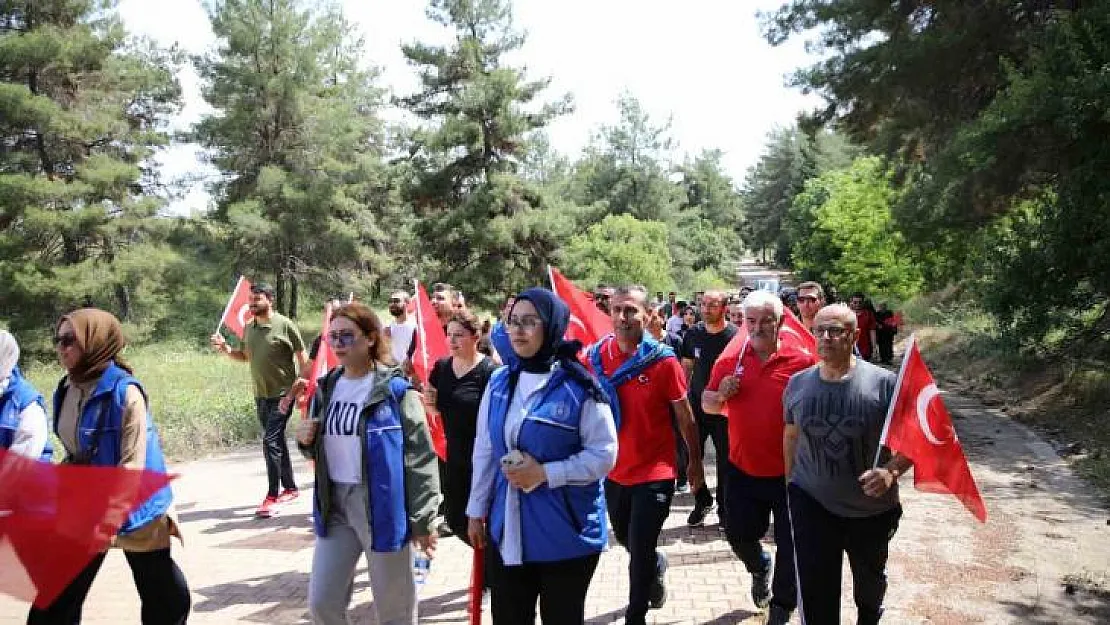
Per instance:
(295,134)
(484,226)
(851,242)
(621,250)
(82,109)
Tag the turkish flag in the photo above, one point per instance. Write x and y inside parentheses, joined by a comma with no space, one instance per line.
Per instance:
(54,518)
(588,323)
(797,333)
(238,312)
(430,345)
(920,428)
(325,361)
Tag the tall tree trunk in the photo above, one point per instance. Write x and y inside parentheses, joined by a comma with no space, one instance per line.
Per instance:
(279,286)
(293,290)
(123,298)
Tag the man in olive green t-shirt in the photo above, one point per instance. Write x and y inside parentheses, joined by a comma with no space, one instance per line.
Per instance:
(271,344)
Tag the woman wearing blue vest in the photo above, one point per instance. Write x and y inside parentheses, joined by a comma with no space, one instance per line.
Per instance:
(377,477)
(545,441)
(102,417)
(23,428)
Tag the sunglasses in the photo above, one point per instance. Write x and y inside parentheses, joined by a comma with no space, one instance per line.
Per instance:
(65,340)
(341,339)
(833,332)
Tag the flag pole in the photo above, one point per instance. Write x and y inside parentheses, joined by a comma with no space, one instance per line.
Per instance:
(551,278)
(894,400)
(220,322)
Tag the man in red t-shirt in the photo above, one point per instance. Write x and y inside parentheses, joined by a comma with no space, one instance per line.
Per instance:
(645,383)
(747,389)
(866,324)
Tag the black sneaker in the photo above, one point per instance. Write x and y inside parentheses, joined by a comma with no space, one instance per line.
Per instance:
(703,505)
(778,616)
(761,584)
(657,598)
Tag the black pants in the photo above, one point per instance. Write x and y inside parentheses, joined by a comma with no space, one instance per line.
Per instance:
(821,539)
(752,502)
(162,589)
(279,467)
(715,428)
(456,494)
(886,347)
(560,587)
(637,514)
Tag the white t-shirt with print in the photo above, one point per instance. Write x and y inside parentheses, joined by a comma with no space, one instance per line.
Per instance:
(342,440)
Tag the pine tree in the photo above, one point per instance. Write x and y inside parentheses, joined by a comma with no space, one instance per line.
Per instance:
(295,134)
(82,109)
(486,228)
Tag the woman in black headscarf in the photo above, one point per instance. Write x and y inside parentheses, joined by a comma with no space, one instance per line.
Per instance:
(546,439)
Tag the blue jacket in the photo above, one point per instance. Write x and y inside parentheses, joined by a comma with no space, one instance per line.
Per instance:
(402,484)
(556,523)
(16,398)
(98,437)
(648,352)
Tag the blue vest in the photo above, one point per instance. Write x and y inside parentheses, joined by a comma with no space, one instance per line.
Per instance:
(648,352)
(98,435)
(383,466)
(16,398)
(556,523)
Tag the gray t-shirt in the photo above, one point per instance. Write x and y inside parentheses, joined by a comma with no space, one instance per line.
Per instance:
(840,425)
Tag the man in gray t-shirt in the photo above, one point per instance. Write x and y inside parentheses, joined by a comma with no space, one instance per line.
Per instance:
(839,423)
(834,414)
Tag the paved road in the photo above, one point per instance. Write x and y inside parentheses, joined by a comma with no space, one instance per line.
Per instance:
(944,569)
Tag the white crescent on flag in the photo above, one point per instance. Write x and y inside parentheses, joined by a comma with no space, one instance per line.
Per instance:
(927,395)
(244,315)
(578,322)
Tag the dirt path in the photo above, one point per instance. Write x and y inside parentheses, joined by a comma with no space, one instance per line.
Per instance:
(1044,532)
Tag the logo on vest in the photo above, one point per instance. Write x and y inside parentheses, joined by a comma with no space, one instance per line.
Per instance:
(560,410)
(643,379)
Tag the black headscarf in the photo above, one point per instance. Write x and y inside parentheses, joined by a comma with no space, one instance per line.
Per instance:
(555,315)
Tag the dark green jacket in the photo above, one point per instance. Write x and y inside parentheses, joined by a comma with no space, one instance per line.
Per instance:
(422,488)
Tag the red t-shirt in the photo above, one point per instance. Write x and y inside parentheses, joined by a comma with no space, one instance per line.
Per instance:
(865,321)
(646,444)
(754,413)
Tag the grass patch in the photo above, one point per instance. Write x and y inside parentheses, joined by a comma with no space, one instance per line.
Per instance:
(201,401)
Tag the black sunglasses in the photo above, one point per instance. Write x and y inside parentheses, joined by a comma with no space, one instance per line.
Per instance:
(65,340)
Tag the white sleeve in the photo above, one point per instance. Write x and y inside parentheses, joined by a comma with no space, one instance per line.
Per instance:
(481,482)
(599,450)
(32,434)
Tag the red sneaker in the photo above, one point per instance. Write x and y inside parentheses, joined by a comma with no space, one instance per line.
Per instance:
(267,508)
(287,495)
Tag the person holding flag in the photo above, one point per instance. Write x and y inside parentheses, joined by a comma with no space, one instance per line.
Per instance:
(840,499)
(644,382)
(747,388)
(545,440)
(377,487)
(102,417)
(273,346)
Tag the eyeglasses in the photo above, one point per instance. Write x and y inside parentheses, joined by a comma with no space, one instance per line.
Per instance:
(833,332)
(528,323)
(765,321)
(341,339)
(65,340)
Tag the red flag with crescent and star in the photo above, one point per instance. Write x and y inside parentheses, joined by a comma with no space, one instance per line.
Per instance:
(920,428)
(238,312)
(588,323)
(54,518)
(430,345)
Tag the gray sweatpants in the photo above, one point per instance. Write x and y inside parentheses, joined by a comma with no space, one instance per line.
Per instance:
(335,560)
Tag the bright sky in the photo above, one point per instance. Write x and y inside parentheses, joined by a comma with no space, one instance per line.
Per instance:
(701,62)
